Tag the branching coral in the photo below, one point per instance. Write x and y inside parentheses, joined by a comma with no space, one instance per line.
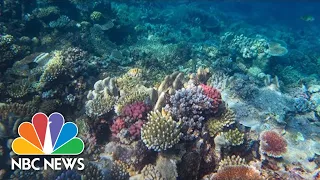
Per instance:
(8,50)
(231,161)
(272,144)
(216,125)
(100,105)
(53,68)
(169,85)
(161,132)
(190,106)
(117,126)
(130,81)
(234,137)
(214,94)
(136,110)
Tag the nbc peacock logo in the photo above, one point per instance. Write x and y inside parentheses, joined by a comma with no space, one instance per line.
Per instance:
(48,136)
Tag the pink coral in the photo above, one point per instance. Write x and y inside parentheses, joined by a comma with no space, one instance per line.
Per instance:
(135,129)
(137,110)
(117,126)
(272,144)
(214,94)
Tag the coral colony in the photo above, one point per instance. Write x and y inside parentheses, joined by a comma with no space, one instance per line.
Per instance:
(160,90)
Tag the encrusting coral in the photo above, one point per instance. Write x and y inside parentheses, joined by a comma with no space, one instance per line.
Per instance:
(161,132)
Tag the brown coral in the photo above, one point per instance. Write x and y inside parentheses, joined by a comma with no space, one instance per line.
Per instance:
(272,144)
(237,173)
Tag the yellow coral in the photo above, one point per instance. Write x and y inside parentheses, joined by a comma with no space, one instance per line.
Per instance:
(216,125)
(129,81)
(232,161)
(53,68)
(96,16)
(161,131)
(234,137)
(130,98)
(19,88)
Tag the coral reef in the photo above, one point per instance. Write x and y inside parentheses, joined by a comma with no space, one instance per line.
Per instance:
(165,90)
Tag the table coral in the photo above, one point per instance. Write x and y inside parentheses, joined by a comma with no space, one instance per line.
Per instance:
(272,144)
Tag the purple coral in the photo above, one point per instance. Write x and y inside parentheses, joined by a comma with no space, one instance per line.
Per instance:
(190,106)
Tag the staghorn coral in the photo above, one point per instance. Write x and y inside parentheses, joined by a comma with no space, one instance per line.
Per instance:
(26,109)
(190,106)
(160,132)
(234,137)
(216,124)
(214,94)
(61,22)
(272,144)
(248,47)
(149,172)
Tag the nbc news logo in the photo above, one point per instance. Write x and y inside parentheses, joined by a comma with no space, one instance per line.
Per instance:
(47,136)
